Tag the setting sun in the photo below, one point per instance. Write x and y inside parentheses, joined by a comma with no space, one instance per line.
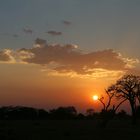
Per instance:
(95,97)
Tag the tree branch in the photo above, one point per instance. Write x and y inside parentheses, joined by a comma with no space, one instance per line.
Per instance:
(119,105)
(101,100)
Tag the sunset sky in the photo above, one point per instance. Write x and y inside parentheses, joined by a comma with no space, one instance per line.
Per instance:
(62,52)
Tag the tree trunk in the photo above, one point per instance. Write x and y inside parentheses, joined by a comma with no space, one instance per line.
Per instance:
(133,110)
(107,116)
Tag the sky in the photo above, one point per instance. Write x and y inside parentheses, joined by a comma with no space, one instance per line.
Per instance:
(62,52)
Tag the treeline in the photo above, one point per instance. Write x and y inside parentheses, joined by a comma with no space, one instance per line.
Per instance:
(25,113)
(70,112)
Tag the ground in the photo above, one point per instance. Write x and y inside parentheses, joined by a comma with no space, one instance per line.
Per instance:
(67,130)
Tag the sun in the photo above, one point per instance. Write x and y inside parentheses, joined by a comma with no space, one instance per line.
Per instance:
(95,97)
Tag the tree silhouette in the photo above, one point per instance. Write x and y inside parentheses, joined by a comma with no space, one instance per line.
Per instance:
(122,114)
(90,112)
(109,109)
(22,112)
(108,105)
(138,89)
(127,88)
(63,113)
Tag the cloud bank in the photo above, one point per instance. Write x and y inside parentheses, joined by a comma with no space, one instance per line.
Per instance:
(67,58)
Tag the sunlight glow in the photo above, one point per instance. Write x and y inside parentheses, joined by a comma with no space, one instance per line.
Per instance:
(95,97)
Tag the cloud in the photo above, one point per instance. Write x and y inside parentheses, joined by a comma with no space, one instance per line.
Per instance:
(65,22)
(4,56)
(40,43)
(67,59)
(11,56)
(27,30)
(54,33)
(96,73)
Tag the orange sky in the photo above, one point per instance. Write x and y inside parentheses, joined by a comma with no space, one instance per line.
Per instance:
(60,53)
(52,75)
(27,84)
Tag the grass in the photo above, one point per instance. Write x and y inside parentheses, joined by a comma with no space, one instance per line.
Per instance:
(67,130)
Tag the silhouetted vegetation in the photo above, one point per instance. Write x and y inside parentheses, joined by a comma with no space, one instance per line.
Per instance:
(60,113)
(21,112)
(109,109)
(127,88)
(63,113)
(122,115)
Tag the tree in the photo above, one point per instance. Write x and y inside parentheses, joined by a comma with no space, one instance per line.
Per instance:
(122,114)
(90,112)
(109,109)
(63,113)
(108,105)
(138,90)
(127,88)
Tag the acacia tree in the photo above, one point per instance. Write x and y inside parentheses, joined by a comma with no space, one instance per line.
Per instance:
(109,109)
(128,88)
(138,90)
(108,105)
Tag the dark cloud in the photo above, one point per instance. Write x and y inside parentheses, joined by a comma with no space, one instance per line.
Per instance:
(54,33)
(27,30)
(68,58)
(40,42)
(65,22)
